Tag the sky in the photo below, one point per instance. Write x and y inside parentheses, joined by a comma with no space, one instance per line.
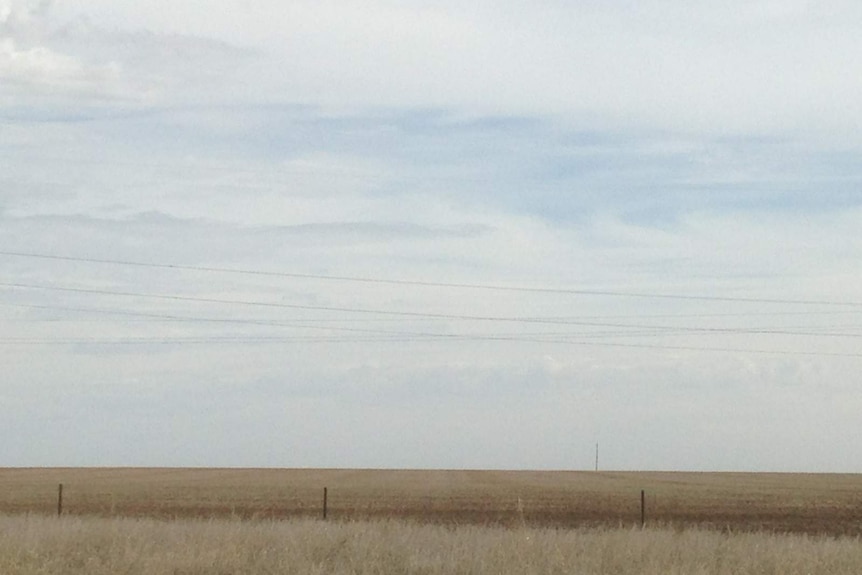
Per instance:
(431,234)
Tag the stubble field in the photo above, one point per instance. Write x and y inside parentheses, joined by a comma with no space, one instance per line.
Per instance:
(246,521)
(793,503)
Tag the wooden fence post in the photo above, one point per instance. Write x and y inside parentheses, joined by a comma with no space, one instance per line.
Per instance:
(60,500)
(643,508)
(324,501)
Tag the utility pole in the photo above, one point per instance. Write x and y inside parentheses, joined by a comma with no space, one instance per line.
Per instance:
(597,456)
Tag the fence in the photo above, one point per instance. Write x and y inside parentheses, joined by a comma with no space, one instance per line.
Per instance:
(325,507)
(829,504)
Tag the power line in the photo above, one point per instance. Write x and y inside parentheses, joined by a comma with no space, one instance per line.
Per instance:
(379,335)
(297,324)
(410,314)
(334,339)
(401,337)
(418,283)
(646,329)
(571,319)
(281,305)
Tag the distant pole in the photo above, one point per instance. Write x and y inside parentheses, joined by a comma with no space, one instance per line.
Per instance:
(60,500)
(643,508)
(597,456)
(324,501)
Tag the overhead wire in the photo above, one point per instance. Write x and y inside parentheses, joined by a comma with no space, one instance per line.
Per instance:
(399,313)
(373,280)
(647,329)
(376,335)
(381,336)
(305,340)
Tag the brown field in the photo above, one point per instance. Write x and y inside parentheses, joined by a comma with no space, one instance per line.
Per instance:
(820,504)
(40,545)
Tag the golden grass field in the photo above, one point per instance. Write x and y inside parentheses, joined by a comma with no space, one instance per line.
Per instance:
(253,521)
(797,503)
(35,545)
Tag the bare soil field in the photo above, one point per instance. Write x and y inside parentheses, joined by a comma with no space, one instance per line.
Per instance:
(816,504)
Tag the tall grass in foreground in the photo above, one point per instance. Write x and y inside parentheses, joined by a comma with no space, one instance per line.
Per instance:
(94,546)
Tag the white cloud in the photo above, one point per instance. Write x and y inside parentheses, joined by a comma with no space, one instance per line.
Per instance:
(31,68)
(736,68)
(43,71)
(15,13)
(73,64)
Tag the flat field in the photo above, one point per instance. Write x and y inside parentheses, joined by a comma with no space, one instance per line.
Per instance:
(815,504)
(37,545)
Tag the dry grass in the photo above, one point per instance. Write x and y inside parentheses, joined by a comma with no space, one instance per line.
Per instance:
(94,546)
(800,503)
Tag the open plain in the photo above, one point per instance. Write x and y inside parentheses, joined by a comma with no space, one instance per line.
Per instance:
(814,504)
(251,521)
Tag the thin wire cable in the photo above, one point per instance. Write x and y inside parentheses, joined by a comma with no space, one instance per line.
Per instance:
(606,293)
(323,339)
(460,317)
(646,329)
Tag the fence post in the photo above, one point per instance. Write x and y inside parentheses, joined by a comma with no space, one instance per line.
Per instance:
(643,508)
(325,493)
(60,500)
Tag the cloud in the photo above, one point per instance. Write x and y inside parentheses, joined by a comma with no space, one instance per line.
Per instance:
(742,68)
(47,63)
(45,72)
(30,66)
(22,13)
(745,68)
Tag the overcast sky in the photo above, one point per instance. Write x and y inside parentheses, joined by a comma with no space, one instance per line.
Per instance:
(287,234)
